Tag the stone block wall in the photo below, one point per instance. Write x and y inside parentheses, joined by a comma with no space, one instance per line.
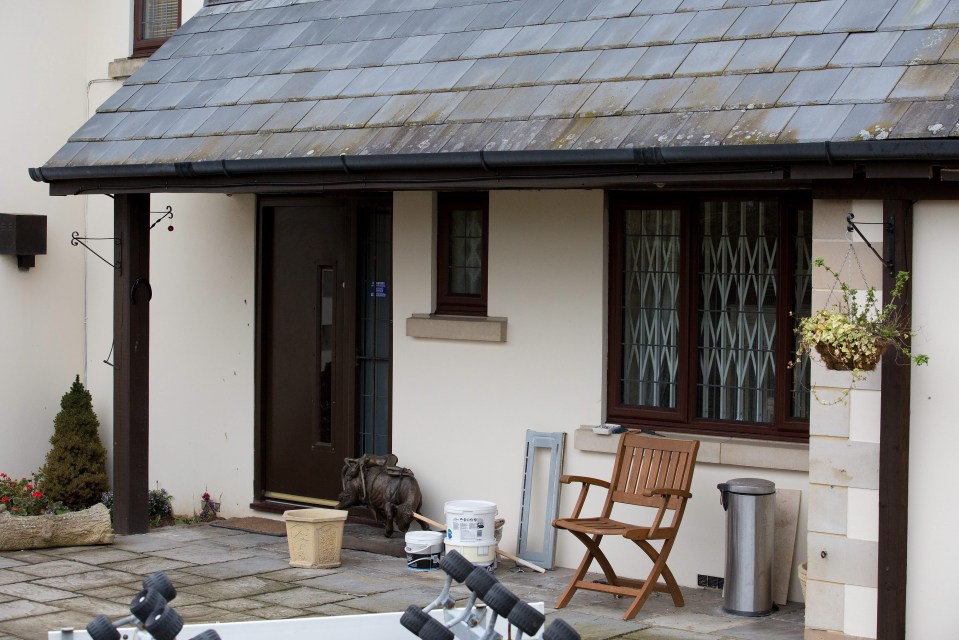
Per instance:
(843,527)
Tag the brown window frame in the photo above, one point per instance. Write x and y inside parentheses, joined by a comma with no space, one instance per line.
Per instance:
(448,303)
(145,47)
(683,417)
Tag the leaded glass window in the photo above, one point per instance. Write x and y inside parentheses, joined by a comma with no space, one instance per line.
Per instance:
(153,22)
(703,296)
(461,253)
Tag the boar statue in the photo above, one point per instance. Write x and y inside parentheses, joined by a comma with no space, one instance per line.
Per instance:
(389,491)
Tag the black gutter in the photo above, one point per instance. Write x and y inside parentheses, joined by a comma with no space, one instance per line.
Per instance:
(488,161)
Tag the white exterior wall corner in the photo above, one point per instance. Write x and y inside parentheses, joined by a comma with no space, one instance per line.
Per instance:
(933,556)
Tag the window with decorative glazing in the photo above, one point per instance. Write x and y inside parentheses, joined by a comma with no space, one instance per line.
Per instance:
(703,292)
(461,255)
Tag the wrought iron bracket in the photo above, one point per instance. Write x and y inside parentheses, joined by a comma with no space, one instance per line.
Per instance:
(166,214)
(77,239)
(889,227)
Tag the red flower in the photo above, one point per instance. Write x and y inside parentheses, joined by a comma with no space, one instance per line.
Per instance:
(29,487)
(37,494)
(4,499)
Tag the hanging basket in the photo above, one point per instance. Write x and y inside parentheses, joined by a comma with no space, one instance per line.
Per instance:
(837,361)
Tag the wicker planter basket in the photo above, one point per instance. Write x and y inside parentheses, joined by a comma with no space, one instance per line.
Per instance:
(842,362)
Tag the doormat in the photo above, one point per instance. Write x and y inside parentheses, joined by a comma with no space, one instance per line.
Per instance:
(265,526)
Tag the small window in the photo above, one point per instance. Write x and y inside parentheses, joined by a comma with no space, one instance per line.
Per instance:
(461,255)
(153,22)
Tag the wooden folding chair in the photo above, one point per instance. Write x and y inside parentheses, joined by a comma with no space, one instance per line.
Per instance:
(651,472)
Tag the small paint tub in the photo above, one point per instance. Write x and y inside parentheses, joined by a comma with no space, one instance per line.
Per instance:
(423,550)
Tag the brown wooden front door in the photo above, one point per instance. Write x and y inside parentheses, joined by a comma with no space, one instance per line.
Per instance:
(306,333)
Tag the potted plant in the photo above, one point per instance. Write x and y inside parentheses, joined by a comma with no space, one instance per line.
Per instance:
(854,333)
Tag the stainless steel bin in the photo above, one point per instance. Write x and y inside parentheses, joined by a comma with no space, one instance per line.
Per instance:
(750,505)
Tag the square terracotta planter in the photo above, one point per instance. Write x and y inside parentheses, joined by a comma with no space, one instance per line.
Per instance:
(315,537)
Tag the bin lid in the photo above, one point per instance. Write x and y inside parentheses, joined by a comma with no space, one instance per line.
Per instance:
(748,486)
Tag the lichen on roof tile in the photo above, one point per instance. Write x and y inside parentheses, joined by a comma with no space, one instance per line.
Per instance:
(871,121)
(606,133)
(470,137)
(760,126)
(920,46)
(559,134)
(706,128)
(658,96)
(515,136)
(320,116)
(814,123)
(520,103)
(564,100)
(397,109)
(759,90)
(655,130)
(707,93)
(935,119)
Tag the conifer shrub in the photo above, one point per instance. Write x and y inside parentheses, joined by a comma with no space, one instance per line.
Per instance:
(75,472)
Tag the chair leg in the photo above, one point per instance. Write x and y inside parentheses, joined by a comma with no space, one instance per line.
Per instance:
(659,568)
(580,572)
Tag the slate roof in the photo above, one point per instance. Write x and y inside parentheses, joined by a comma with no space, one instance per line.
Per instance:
(264,79)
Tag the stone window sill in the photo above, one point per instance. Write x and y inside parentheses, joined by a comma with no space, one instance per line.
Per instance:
(424,325)
(740,452)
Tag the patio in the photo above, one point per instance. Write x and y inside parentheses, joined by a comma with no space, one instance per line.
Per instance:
(226,575)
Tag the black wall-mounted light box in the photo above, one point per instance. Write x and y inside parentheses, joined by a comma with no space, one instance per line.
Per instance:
(24,236)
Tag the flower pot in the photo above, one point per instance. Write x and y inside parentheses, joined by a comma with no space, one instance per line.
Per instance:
(89,526)
(315,537)
(838,361)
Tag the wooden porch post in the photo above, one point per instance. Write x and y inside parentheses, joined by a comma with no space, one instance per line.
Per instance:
(894,441)
(131,375)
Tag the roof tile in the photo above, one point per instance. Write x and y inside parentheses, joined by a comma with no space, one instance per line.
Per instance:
(709,25)
(568,67)
(860,15)
(491,43)
(610,98)
(613,8)
(279,145)
(397,110)
(934,119)
(451,46)
(405,77)
(606,133)
(573,10)
(189,121)
(412,50)
(871,121)
(662,29)
(320,116)
(220,120)
(520,103)
(760,126)
(920,46)
(756,22)
(526,69)
(654,7)
(564,100)
(444,75)
(484,72)
(443,20)
(427,139)
(253,118)
(913,14)
(516,135)
(660,62)
(927,82)
(759,90)
(533,13)
(655,130)
(531,39)
(296,88)
(559,134)
(813,87)
(868,84)
(865,49)
(368,81)
(358,112)
(470,137)
(617,32)
(759,55)
(477,105)
(573,35)
(709,58)
(614,64)
(287,116)
(706,129)
(120,96)
(148,74)
(811,52)
(658,96)
(949,16)
(495,15)
(707,93)
(314,143)
(814,123)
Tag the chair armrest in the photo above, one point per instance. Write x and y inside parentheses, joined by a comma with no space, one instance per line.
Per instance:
(585,480)
(587,483)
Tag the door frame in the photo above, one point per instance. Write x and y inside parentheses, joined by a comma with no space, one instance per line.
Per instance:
(261,333)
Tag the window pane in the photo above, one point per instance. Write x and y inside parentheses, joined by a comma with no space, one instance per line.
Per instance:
(325,315)
(160,18)
(802,307)
(737,311)
(466,252)
(650,308)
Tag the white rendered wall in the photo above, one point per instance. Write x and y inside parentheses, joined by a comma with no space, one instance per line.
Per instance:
(41,311)
(934,438)
(461,409)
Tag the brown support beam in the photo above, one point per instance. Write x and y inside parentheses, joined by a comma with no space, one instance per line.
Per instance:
(894,440)
(131,375)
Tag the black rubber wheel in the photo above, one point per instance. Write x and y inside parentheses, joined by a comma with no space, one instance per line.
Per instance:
(145,603)
(433,629)
(161,583)
(101,628)
(559,630)
(414,618)
(209,634)
(500,599)
(456,566)
(526,618)
(164,623)
(480,581)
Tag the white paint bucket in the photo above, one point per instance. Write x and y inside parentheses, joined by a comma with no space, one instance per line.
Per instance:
(478,554)
(470,522)
(423,549)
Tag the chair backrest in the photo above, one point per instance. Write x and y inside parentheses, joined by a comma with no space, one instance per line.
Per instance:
(648,462)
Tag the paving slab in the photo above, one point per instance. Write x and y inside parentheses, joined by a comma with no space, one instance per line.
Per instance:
(302,597)
(279,612)
(203,554)
(8,576)
(235,568)
(34,592)
(397,600)
(6,563)
(335,609)
(54,568)
(146,566)
(235,588)
(698,622)
(292,574)
(39,624)
(88,580)
(92,607)
(350,583)
(240,604)
(591,626)
(96,555)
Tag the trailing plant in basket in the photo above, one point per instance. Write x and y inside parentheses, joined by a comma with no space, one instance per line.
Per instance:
(853,334)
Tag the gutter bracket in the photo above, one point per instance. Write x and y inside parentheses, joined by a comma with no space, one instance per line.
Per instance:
(889,227)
